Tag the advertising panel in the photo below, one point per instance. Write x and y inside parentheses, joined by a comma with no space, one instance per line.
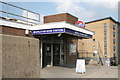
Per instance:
(80,66)
(72,49)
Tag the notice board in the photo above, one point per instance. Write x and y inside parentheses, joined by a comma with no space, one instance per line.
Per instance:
(72,49)
(80,66)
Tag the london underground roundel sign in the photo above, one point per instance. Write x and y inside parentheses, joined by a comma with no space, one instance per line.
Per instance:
(80,24)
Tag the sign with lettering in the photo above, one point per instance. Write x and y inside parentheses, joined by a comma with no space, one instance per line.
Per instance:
(80,66)
(46,31)
(78,33)
(61,30)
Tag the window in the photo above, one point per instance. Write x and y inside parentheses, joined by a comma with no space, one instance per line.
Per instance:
(105,39)
(114,50)
(105,46)
(113,26)
(93,54)
(104,24)
(93,39)
(113,40)
(113,47)
(113,33)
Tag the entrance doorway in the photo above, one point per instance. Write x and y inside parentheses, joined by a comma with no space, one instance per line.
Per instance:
(46,54)
(51,54)
(56,54)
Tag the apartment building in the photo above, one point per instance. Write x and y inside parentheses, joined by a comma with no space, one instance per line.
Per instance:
(59,37)
(103,45)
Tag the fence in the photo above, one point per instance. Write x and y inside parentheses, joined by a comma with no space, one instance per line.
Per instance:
(84,53)
(88,55)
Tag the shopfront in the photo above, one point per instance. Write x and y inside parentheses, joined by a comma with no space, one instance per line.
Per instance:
(58,45)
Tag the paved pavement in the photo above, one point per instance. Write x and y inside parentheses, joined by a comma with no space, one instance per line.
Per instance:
(92,71)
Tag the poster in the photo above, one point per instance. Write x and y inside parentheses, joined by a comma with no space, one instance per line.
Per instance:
(80,66)
(72,49)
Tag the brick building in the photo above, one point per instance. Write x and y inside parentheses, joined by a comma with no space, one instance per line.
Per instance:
(105,40)
(61,17)
(60,42)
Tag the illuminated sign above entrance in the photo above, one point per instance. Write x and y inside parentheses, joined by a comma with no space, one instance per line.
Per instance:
(80,24)
(61,30)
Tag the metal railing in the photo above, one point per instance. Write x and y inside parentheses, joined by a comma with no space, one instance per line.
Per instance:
(18,14)
(100,54)
(87,54)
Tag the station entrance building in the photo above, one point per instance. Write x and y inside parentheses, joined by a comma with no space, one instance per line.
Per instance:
(58,39)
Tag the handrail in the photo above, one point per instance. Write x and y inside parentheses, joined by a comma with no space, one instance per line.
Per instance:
(100,52)
(18,15)
(18,21)
(18,7)
(24,19)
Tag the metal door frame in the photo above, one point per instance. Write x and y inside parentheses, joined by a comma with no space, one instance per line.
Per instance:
(50,42)
(41,44)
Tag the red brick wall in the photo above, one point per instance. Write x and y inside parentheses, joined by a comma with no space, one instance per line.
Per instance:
(71,19)
(12,31)
(61,17)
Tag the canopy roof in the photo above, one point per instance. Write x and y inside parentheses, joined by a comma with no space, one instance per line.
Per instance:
(61,27)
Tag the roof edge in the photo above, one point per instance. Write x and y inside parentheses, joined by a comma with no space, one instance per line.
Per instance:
(61,14)
(102,19)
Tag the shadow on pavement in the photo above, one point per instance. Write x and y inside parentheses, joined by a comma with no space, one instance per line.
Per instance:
(73,65)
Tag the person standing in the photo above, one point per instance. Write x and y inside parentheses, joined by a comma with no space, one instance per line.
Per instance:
(108,62)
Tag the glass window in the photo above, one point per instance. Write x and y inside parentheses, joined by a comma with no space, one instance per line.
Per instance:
(113,26)
(93,39)
(105,24)
(105,39)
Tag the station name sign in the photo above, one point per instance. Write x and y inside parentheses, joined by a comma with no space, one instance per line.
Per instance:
(61,30)
(46,31)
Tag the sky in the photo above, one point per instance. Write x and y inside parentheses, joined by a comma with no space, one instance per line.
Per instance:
(84,10)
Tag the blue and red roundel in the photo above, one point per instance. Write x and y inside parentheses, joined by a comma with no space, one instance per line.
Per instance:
(80,24)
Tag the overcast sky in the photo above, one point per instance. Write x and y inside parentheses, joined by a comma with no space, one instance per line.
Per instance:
(86,10)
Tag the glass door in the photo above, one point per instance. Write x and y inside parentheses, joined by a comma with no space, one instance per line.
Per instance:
(46,54)
(56,54)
